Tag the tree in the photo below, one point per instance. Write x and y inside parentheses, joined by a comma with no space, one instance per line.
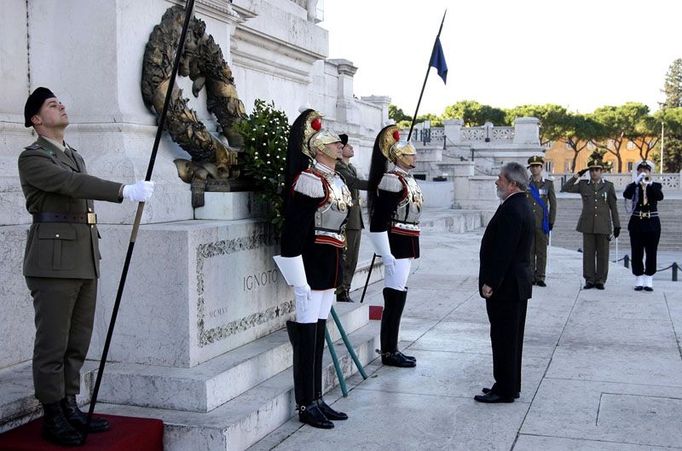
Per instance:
(474,114)
(579,131)
(646,135)
(397,114)
(436,121)
(616,125)
(672,87)
(554,120)
(672,151)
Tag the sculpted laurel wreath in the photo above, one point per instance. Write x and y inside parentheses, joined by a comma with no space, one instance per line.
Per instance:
(265,132)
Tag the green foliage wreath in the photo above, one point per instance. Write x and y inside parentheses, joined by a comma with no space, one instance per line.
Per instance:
(265,132)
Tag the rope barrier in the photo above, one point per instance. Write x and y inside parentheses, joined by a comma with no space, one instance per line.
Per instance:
(674,266)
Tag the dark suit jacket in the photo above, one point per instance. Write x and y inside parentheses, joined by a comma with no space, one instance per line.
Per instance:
(505,251)
(53,182)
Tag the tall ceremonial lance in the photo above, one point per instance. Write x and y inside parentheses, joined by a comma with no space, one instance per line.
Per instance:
(189,9)
(436,60)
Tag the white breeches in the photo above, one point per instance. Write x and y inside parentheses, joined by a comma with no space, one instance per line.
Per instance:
(317,307)
(401,272)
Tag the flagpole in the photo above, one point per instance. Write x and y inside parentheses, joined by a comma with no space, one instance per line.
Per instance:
(189,10)
(414,118)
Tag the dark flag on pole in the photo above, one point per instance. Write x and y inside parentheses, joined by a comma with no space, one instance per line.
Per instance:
(438,60)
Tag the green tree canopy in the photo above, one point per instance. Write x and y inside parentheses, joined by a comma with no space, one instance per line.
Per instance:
(672,87)
(397,114)
(474,114)
(616,125)
(579,131)
(672,141)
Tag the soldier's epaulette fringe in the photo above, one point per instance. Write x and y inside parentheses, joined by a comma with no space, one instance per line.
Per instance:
(309,184)
(391,182)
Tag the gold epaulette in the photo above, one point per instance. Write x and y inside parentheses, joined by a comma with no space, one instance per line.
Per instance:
(391,182)
(309,184)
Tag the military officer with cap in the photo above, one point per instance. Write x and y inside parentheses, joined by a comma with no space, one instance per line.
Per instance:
(61,262)
(316,202)
(599,215)
(542,201)
(644,225)
(355,225)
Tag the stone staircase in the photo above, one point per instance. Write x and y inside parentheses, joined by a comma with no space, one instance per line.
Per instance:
(229,402)
(569,207)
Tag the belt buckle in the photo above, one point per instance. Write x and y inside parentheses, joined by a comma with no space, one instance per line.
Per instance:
(92,218)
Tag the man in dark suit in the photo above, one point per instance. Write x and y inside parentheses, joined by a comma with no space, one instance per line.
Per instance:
(61,262)
(505,281)
(354,225)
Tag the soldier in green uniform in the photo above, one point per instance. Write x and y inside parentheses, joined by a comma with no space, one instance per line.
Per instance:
(354,225)
(542,201)
(61,262)
(595,223)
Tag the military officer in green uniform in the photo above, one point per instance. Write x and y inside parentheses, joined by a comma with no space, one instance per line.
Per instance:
(542,201)
(598,215)
(354,225)
(61,262)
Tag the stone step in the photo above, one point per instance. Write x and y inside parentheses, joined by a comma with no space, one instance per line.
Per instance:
(249,417)
(200,388)
(206,386)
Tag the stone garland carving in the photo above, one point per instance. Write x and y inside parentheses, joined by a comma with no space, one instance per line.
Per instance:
(202,60)
(258,238)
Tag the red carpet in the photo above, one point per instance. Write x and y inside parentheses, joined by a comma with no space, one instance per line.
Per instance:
(375,312)
(126,434)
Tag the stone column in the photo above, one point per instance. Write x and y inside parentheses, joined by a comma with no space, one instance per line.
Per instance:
(461,173)
(527,131)
(380,101)
(453,130)
(346,111)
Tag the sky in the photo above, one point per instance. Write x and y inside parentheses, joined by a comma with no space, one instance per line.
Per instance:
(581,54)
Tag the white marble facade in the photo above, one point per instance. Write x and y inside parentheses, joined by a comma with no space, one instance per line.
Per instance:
(89,52)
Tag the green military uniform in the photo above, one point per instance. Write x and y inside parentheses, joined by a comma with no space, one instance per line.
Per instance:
(354,225)
(598,215)
(538,250)
(61,262)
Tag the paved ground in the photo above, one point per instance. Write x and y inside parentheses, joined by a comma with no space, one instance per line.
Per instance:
(602,369)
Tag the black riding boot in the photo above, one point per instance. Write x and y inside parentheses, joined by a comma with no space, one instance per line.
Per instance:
(319,354)
(398,317)
(302,337)
(394,302)
(79,419)
(56,427)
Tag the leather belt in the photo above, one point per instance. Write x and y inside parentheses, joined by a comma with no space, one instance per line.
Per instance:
(82,218)
(645,214)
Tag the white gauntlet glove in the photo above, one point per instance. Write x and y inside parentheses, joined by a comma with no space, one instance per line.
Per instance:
(383,249)
(294,273)
(138,192)
(639,178)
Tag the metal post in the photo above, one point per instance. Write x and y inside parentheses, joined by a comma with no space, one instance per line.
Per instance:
(626,261)
(348,344)
(369,274)
(335,359)
(675,268)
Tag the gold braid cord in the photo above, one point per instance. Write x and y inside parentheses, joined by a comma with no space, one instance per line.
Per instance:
(202,60)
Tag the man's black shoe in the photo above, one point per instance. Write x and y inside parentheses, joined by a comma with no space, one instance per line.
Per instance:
(79,419)
(407,357)
(397,359)
(648,289)
(313,416)
(599,286)
(638,288)
(343,297)
(541,283)
(328,412)
(486,390)
(588,285)
(493,398)
(56,428)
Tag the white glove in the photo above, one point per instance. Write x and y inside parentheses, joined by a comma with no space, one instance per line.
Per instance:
(389,264)
(139,192)
(383,248)
(302,295)
(639,178)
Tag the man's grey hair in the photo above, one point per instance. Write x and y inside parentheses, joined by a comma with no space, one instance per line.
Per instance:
(516,173)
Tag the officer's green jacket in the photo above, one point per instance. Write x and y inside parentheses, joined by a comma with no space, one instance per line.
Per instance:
(54,183)
(599,205)
(548,196)
(350,176)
